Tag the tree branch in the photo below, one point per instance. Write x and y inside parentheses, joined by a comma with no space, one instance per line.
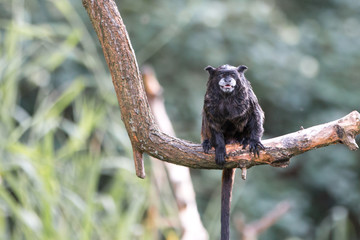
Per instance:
(145,135)
(251,231)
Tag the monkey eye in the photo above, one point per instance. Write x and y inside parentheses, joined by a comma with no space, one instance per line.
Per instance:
(224,75)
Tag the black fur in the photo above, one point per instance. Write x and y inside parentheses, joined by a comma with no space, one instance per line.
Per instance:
(227,184)
(231,116)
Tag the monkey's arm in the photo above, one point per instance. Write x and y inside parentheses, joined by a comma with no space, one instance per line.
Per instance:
(205,134)
(255,125)
(219,143)
(213,137)
(205,128)
(207,124)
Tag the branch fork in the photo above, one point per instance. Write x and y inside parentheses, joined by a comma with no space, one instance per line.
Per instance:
(145,135)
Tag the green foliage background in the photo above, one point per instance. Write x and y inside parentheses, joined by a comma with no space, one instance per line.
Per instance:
(65,159)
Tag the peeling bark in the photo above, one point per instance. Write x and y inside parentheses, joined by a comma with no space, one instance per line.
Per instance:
(145,135)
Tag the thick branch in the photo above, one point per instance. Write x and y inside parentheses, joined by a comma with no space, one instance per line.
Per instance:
(145,134)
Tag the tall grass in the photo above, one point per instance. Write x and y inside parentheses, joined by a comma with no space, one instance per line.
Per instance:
(65,164)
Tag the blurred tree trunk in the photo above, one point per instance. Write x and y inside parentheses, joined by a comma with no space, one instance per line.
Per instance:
(179,176)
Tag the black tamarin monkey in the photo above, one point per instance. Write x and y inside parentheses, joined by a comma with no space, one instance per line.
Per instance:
(231,113)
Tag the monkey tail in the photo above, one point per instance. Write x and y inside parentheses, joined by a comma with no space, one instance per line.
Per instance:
(226,191)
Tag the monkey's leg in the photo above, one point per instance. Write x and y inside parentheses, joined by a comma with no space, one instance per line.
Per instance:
(226,192)
(255,130)
(219,143)
(206,134)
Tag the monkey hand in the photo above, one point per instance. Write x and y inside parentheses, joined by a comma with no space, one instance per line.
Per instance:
(220,155)
(255,147)
(206,146)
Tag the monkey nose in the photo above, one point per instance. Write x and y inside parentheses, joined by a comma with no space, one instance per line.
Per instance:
(228,80)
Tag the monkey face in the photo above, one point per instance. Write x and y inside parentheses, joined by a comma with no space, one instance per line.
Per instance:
(226,76)
(227,82)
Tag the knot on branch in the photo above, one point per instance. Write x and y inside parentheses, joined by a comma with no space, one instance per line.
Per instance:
(346,138)
(347,133)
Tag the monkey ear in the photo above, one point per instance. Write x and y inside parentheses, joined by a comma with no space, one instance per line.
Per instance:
(242,68)
(210,69)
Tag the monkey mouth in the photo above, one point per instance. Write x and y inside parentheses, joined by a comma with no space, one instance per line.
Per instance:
(227,88)
(227,85)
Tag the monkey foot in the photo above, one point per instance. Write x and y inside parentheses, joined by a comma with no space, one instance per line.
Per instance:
(206,146)
(220,158)
(220,155)
(255,147)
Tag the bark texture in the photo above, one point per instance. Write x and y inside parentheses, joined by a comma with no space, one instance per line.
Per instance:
(146,136)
